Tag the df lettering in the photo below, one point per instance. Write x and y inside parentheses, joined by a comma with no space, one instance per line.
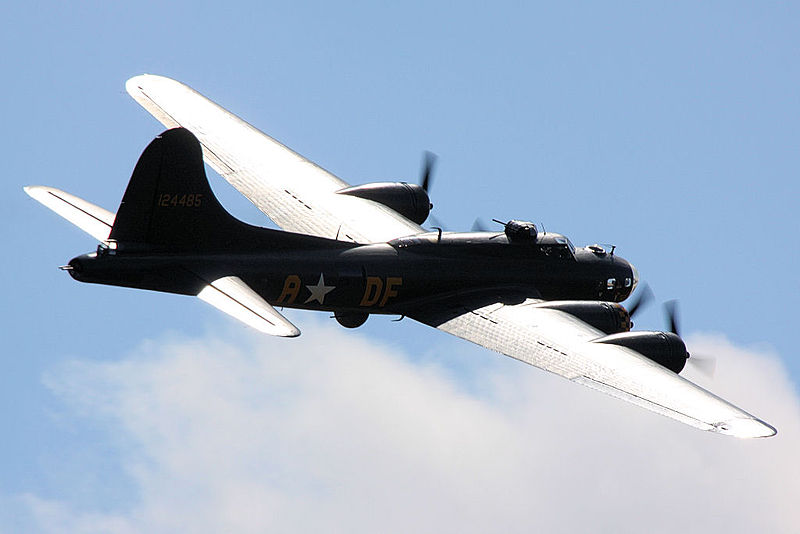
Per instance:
(377,292)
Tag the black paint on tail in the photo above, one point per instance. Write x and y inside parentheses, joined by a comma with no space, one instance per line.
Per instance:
(169,206)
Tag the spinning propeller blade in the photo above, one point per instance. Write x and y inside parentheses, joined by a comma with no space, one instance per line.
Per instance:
(704,364)
(644,296)
(428,162)
(671,308)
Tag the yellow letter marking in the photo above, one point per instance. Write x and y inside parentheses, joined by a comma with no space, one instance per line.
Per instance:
(372,292)
(291,287)
(391,283)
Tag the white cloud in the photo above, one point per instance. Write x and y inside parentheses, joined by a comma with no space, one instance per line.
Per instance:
(334,433)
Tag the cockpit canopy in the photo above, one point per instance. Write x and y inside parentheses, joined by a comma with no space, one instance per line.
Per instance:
(556,246)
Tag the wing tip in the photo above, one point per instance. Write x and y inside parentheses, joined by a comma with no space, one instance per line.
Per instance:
(135,84)
(34,190)
(41,193)
(750,427)
(292,333)
(289,331)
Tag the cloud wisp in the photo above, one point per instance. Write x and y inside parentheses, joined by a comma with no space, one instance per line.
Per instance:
(335,433)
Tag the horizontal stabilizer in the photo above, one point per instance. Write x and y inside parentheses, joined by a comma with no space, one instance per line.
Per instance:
(93,220)
(231,295)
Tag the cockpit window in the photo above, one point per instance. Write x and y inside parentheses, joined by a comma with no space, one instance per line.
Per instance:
(566,241)
(558,250)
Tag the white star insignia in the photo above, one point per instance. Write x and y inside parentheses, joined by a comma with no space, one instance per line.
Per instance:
(319,291)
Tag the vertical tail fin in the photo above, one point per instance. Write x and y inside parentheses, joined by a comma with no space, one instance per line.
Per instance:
(169,204)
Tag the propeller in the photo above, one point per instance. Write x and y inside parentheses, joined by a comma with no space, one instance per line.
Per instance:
(704,364)
(644,296)
(428,163)
(425,180)
(671,308)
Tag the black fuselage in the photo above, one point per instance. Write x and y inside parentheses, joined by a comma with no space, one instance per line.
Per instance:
(171,234)
(388,278)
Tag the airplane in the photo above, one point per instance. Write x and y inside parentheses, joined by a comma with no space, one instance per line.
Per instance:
(360,250)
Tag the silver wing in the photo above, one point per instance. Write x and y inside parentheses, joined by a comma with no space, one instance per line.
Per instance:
(296,194)
(558,342)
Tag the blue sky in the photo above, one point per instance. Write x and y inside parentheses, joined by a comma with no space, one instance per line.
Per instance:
(670,130)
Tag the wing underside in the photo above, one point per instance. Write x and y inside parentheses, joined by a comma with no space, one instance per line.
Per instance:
(234,297)
(559,343)
(295,193)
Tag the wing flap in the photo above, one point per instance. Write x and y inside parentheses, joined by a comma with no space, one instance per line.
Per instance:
(92,219)
(234,297)
(560,343)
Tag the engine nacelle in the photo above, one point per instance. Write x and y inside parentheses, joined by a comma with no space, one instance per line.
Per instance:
(409,200)
(351,319)
(608,317)
(521,231)
(664,348)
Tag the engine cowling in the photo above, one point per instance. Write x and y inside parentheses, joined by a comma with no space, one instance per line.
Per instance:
(664,348)
(409,200)
(608,317)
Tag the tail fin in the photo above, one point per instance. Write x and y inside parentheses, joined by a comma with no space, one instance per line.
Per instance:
(169,204)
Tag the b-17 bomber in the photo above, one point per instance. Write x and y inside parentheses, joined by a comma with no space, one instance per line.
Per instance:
(356,251)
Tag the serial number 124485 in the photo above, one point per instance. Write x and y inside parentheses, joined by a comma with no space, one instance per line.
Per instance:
(187,201)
